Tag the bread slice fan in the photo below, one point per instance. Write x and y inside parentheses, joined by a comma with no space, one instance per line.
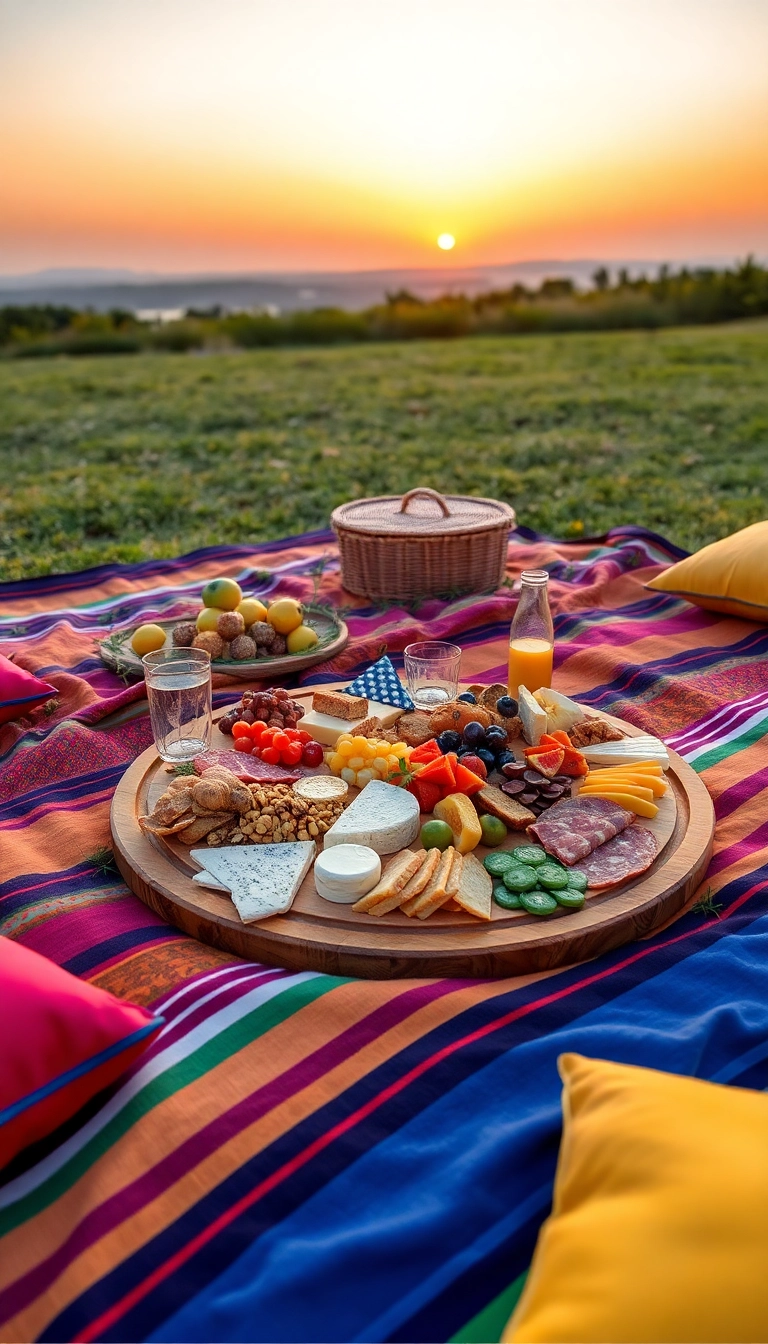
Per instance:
(394,878)
(475,888)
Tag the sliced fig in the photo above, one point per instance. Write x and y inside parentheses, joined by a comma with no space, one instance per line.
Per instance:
(514,770)
(527,798)
(513,787)
(535,779)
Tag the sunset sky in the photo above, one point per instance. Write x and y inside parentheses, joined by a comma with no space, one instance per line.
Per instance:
(253,135)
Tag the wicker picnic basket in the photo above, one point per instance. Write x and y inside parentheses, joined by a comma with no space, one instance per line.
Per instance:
(422,545)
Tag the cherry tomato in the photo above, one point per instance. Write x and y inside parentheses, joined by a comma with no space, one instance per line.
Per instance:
(291,755)
(243,744)
(241,729)
(312,753)
(280,741)
(292,734)
(304,736)
(258,728)
(267,737)
(271,755)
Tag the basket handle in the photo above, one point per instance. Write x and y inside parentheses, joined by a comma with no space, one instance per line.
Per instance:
(430,494)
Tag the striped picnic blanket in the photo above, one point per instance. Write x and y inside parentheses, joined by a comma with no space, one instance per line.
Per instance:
(303,1157)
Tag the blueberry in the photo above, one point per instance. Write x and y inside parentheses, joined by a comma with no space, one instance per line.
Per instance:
(505,757)
(496,733)
(474,734)
(449,741)
(506,707)
(487,757)
(467,697)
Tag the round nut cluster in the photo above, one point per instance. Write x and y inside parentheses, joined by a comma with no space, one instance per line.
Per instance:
(209,640)
(242,648)
(184,634)
(230,624)
(279,815)
(269,644)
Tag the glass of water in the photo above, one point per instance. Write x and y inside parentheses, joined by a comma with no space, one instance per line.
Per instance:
(432,673)
(179,694)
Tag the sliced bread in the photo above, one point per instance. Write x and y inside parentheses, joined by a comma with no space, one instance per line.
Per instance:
(413,887)
(435,888)
(475,888)
(514,815)
(393,879)
(451,889)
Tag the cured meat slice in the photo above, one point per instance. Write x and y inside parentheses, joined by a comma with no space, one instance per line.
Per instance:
(626,855)
(249,768)
(572,829)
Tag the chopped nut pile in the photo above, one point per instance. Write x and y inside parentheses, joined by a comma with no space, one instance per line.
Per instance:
(278,814)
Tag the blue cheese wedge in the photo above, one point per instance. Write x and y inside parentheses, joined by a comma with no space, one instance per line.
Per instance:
(263,879)
(383,816)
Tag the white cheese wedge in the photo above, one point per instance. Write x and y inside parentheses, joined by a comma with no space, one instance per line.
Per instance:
(327,729)
(627,752)
(205,879)
(534,718)
(345,873)
(263,879)
(383,816)
(562,713)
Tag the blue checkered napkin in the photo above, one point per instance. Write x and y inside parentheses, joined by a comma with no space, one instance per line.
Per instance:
(381,682)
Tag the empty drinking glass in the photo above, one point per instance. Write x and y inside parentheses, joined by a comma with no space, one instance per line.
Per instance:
(179,694)
(432,673)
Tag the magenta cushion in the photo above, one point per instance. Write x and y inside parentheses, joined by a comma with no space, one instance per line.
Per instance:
(20,691)
(69,1040)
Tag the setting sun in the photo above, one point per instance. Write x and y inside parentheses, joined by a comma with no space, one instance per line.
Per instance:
(446,241)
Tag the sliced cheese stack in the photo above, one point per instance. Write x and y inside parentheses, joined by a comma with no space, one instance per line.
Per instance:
(628,751)
(382,816)
(346,873)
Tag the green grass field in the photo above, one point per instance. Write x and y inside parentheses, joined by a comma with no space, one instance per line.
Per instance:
(122,458)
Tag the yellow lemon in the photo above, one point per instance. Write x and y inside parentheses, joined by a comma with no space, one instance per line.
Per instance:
(303,637)
(208,618)
(222,593)
(251,609)
(147,638)
(285,615)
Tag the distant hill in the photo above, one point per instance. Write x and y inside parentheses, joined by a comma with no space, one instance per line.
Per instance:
(102,290)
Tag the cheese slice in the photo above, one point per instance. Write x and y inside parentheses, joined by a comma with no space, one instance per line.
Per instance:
(263,879)
(534,718)
(628,751)
(382,816)
(327,729)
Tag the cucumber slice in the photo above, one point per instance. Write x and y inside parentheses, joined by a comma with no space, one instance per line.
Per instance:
(577,880)
(538,903)
(570,898)
(532,854)
(508,900)
(519,878)
(497,864)
(552,877)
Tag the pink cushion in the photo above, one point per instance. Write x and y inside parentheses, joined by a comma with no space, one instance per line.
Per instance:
(20,691)
(69,1041)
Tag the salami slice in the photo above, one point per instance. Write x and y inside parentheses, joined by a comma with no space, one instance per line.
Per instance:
(572,829)
(251,769)
(626,855)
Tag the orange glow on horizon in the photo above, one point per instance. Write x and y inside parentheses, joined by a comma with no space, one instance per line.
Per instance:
(151,136)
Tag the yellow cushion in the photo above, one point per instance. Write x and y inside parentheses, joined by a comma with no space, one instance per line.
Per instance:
(730,576)
(659,1228)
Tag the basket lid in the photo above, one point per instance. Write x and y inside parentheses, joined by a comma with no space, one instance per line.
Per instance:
(422,513)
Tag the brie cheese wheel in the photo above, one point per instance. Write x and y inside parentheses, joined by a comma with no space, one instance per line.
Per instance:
(383,816)
(327,729)
(345,873)
(263,879)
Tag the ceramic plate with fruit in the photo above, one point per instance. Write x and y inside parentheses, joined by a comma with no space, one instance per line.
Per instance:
(245,637)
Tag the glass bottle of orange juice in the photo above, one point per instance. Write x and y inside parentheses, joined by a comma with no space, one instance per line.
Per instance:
(531,636)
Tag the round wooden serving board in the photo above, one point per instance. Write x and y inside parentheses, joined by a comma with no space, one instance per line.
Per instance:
(116,652)
(318,935)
